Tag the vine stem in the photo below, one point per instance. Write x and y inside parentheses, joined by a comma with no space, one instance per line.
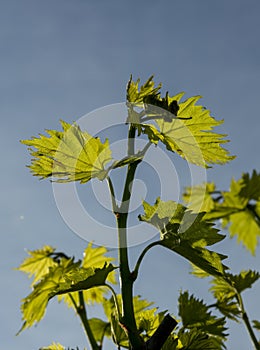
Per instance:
(126,280)
(140,259)
(247,322)
(82,313)
(115,300)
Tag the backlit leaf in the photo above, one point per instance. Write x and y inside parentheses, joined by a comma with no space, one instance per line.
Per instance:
(244,280)
(243,225)
(185,233)
(228,307)
(237,208)
(256,324)
(93,257)
(184,127)
(198,198)
(34,305)
(226,289)
(136,94)
(100,329)
(38,262)
(70,155)
(197,340)
(147,318)
(66,277)
(54,346)
(196,314)
(251,186)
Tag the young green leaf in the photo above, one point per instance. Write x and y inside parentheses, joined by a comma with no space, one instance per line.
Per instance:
(34,305)
(172,343)
(197,340)
(70,155)
(234,207)
(226,290)
(100,329)
(251,186)
(147,319)
(38,262)
(64,278)
(198,198)
(191,137)
(243,281)
(185,233)
(256,324)
(53,346)
(136,95)
(243,225)
(196,315)
(93,257)
(228,307)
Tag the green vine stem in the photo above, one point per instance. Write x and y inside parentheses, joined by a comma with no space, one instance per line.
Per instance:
(115,300)
(126,280)
(112,195)
(247,322)
(82,313)
(140,259)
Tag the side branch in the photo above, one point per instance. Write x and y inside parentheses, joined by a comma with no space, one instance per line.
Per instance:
(162,333)
(140,259)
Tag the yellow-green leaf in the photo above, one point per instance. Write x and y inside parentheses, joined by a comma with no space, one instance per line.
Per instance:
(70,155)
(66,277)
(134,94)
(190,135)
(244,226)
(54,346)
(93,257)
(199,198)
(34,305)
(186,233)
(38,262)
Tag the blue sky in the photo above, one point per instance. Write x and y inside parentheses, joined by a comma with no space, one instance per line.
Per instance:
(63,59)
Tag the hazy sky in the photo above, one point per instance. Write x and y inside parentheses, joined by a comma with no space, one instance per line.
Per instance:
(63,59)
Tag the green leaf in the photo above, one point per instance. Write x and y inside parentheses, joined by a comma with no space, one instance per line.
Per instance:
(172,343)
(64,278)
(136,95)
(251,186)
(147,318)
(244,280)
(128,160)
(192,138)
(148,321)
(198,198)
(140,305)
(234,207)
(185,233)
(38,262)
(93,257)
(34,305)
(243,222)
(197,340)
(256,324)
(100,329)
(54,346)
(83,279)
(226,289)
(119,336)
(243,225)
(196,315)
(189,133)
(70,155)
(161,213)
(228,307)
(222,288)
